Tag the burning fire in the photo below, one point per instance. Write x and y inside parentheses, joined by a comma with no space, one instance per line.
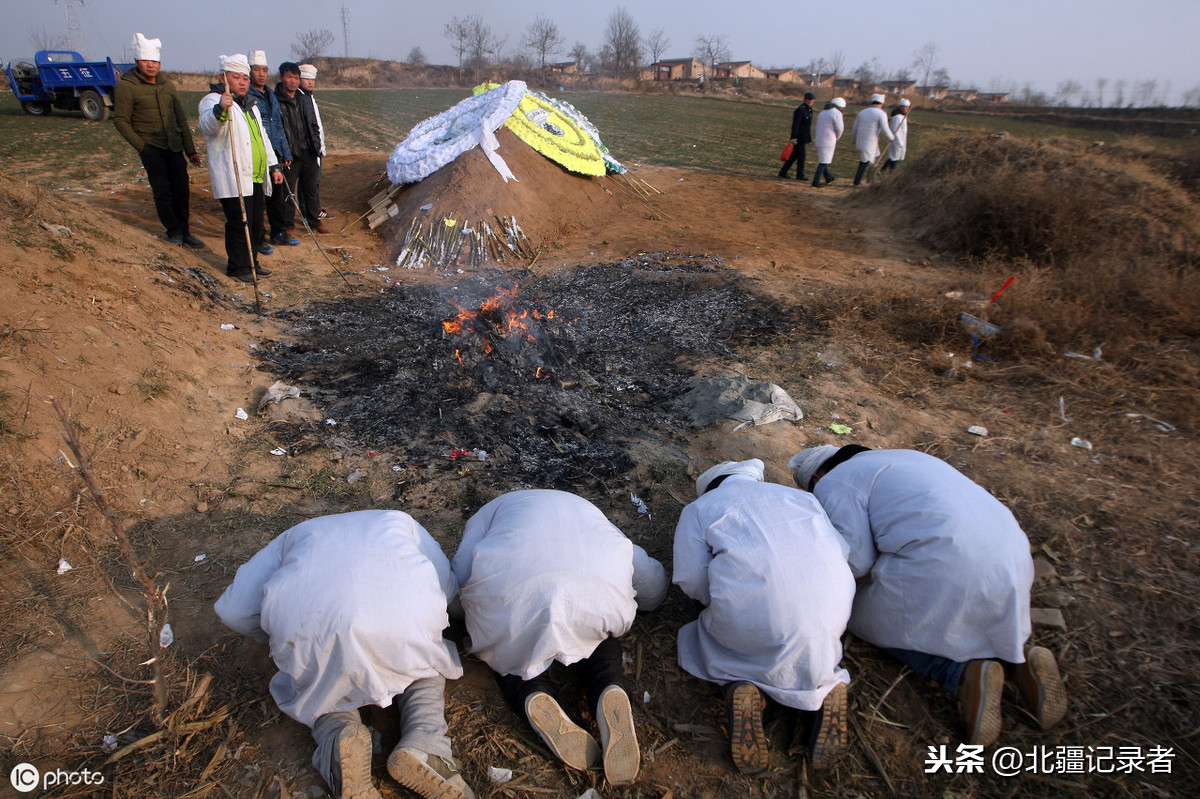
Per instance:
(499,315)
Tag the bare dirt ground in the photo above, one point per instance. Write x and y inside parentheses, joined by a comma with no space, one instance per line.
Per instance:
(132,338)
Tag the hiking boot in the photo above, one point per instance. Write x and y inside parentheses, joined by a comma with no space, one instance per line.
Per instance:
(979,692)
(429,775)
(1041,686)
(350,774)
(828,732)
(285,238)
(747,741)
(569,742)
(618,739)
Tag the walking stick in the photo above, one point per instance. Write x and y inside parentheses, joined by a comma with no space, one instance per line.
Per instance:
(237,177)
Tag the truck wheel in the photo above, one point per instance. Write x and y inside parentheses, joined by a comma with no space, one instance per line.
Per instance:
(36,108)
(92,105)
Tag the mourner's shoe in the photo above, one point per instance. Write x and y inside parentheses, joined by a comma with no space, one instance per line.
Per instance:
(286,238)
(266,249)
(319,228)
(569,742)
(747,741)
(979,691)
(177,239)
(429,775)
(191,241)
(350,776)
(326,215)
(827,732)
(1041,687)
(618,739)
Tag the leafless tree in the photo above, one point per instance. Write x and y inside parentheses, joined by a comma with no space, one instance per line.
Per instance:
(1100,84)
(817,68)
(940,77)
(657,44)
(1119,88)
(543,38)
(416,56)
(482,43)
(624,39)
(1146,93)
(42,39)
(836,63)
(925,61)
(311,44)
(1191,98)
(458,30)
(579,54)
(712,49)
(1067,90)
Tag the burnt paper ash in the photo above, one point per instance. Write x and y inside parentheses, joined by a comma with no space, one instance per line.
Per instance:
(551,375)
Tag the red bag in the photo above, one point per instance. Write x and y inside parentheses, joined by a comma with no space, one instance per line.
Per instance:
(787,151)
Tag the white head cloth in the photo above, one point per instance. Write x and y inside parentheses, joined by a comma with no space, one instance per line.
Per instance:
(235,63)
(308,72)
(838,102)
(877,98)
(258,58)
(752,468)
(806,462)
(905,103)
(146,49)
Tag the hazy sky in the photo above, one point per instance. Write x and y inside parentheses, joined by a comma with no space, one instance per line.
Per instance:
(1039,41)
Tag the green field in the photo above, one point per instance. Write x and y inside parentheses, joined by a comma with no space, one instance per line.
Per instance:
(63,151)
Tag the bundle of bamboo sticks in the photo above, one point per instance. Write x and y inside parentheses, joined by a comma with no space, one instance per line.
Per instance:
(447,241)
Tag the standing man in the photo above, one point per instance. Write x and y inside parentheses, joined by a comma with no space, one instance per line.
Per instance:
(945,577)
(241,164)
(353,607)
(899,146)
(304,140)
(771,573)
(546,577)
(268,109)
(801,135)
(149,114)
(308,82)
(830,127)
(869,125)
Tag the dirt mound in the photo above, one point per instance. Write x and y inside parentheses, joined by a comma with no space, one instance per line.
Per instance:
(547,201)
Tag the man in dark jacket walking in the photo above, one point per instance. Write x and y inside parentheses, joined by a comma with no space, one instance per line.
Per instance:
(268,109)
(148,113)
(304,140)
(801,136)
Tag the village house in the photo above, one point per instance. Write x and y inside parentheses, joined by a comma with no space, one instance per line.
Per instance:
(784,75)
(564,67)
(970,95)
(737,69)
(899,88)
(675,69)
(994,97)
(934,92)
(819,81)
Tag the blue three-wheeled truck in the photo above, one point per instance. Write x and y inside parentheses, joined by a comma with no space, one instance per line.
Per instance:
(63,79)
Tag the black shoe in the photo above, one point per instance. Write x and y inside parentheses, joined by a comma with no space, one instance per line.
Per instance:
(829,180)
(177,239)
(801,177)
(266,249)
(783,174)
(285,238)
(191,241)
(262,271)
(246,277)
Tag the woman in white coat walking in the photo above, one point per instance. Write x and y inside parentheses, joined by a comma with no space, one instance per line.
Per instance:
(241,164)
(830,127)
(771,573)
(945,577)
(899,146)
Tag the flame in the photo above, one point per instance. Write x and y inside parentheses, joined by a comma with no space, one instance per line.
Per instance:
(460,360)
(496,314)
(538,373)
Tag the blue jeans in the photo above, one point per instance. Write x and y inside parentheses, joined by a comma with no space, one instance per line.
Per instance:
(822,169)
(941,670)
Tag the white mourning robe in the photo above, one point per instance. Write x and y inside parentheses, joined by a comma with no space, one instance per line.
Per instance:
(353,606)
(899,146)
(546,576)
(830,127)
(772,572)
(869,125)
(948,567)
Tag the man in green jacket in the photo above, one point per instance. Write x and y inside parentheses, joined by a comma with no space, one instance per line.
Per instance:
(149,114)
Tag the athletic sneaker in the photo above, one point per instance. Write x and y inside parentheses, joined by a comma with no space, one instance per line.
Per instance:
(326,215)
(979,691)
(285,238)
(1041,686)
(828,730)
(569,742)
(429,775)
(618,739)
(747,741)
(351,770)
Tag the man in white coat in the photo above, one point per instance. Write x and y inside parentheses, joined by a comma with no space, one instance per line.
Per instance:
(353,607)
(771,573)
(945,575)
(898,123)
(241,164)
(546,577)
(869,125)
(830,127)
